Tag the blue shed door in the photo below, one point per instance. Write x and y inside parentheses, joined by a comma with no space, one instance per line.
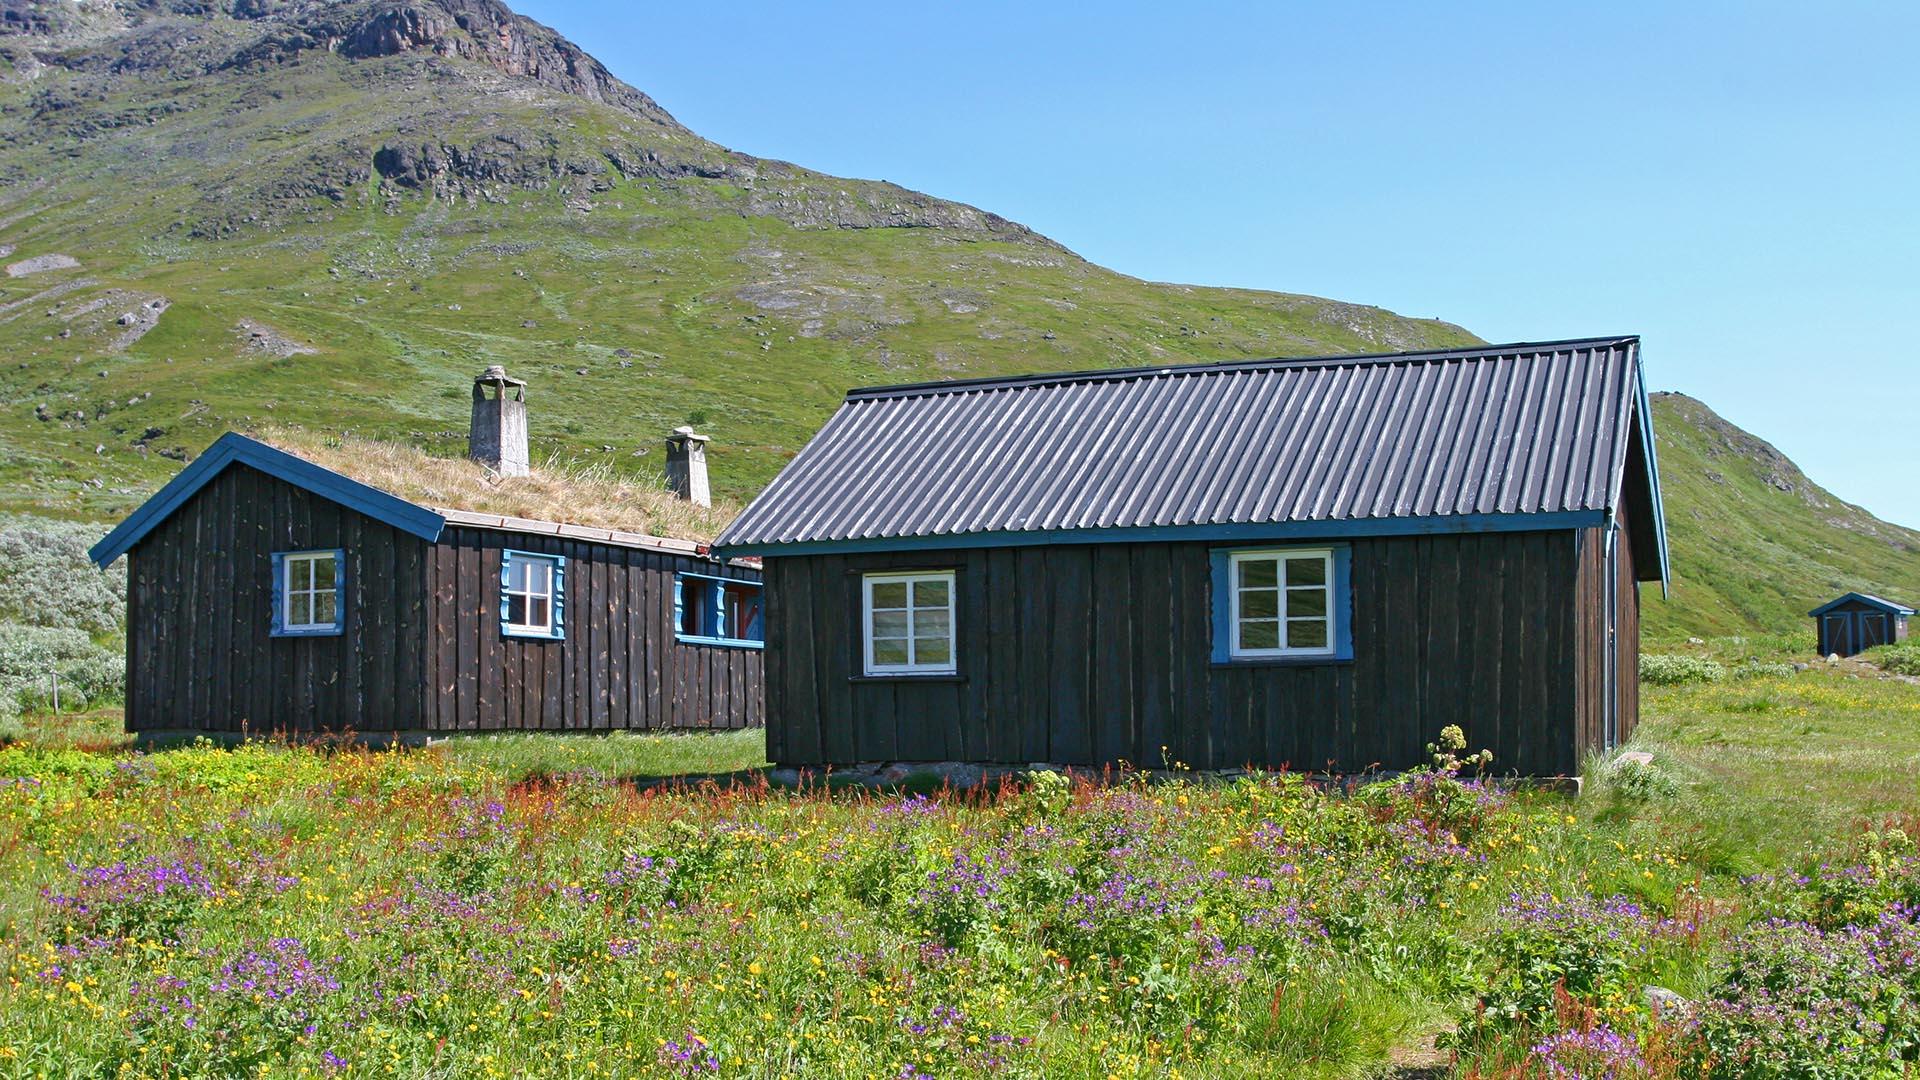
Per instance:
(1839,633)
(1873,630)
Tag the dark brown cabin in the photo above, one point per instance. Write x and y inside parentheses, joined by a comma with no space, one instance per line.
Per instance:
(1314,564)
(269,595)
(1856,622)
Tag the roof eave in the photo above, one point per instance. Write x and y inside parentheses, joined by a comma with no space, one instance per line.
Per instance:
(234,448)
(1217,532)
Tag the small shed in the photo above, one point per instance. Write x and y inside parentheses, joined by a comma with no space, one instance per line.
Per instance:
(267,594)
(1315,563)
(1857,622)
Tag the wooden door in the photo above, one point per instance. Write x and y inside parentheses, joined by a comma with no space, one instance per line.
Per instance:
(1873,630)
(1840,634)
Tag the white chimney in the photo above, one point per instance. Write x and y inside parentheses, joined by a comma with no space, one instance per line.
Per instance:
(687,466)
(498,436)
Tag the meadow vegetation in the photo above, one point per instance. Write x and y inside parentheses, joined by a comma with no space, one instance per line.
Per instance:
(515,906)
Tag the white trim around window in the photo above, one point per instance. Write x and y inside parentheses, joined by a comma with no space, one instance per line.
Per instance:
(532,595)
(907,623)
(309,592)
(1282,603)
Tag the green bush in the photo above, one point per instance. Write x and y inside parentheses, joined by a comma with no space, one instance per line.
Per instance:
(1668,670)
(1763,669)
(29,655)
(1901,659)
(46,578)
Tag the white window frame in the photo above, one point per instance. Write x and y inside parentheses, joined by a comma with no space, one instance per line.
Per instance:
(311,592)
(952,664)
(552,568)
(1282,556)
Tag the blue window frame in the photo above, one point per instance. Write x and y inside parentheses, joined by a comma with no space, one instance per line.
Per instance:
(712,610)
(309,593)
(533,595)
(1283,605)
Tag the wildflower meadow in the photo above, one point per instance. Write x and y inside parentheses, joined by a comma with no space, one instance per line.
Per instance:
(465,911)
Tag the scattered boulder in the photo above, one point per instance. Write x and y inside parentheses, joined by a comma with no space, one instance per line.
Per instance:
(1664,1003)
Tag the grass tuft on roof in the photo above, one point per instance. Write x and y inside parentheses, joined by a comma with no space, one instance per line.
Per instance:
(591,494)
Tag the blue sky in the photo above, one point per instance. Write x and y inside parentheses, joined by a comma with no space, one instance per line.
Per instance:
(1740,184)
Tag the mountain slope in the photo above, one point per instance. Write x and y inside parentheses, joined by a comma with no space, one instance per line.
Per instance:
(1755,544)
(227,212)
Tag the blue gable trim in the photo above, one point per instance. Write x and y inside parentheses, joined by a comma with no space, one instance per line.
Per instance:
(1252,532)
(234,448)
(1887,606)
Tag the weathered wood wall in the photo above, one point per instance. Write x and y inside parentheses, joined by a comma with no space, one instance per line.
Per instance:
(619,666)
(422,649)
(1089,654)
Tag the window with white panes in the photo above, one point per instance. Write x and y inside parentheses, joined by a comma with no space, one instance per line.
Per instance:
(907,623)
(1282,602)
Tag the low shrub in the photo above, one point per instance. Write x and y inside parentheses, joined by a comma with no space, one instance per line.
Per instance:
(31,655)
(1901,659)
(1669,670)
(1634,782)
(46,578)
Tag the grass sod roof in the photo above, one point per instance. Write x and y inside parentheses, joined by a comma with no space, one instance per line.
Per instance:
(591,495)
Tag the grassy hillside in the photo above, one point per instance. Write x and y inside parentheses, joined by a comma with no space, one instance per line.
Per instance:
(329,216)
(266,229)
(1755,543)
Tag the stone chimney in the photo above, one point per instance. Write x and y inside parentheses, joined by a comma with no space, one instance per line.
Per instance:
(687,466)
(498,437)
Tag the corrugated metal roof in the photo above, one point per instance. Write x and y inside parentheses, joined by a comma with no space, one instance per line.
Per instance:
(1525,429)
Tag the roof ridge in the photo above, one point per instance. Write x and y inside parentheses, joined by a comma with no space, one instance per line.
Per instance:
(947,386)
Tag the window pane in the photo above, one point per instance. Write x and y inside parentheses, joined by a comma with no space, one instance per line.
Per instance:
(1307,602)
(1258,573)
(929,624)
(889,594)
(1306,633)
(539,577)
(323,571)
(323,608)
(932,651)
(889,624)
(930,593)
(299,609)
(1261,634)
(539,611)
(299,574)
(1311,571)
(890,651)
(1260,603)
(516,609)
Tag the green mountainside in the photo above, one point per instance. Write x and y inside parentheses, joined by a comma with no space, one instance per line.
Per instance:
(299,213)
(1755,544)
(335,214)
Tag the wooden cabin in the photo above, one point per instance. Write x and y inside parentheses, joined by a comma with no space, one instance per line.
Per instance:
(1313,563)
(1857,622)
(267,594)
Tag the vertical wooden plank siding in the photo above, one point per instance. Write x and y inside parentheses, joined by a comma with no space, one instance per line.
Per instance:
(1093,654)
(421,648)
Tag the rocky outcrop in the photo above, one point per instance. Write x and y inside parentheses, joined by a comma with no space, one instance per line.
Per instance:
(172,37)
(414,70)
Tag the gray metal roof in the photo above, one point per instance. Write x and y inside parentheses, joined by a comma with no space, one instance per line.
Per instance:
(1877,601)
(1464,434)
